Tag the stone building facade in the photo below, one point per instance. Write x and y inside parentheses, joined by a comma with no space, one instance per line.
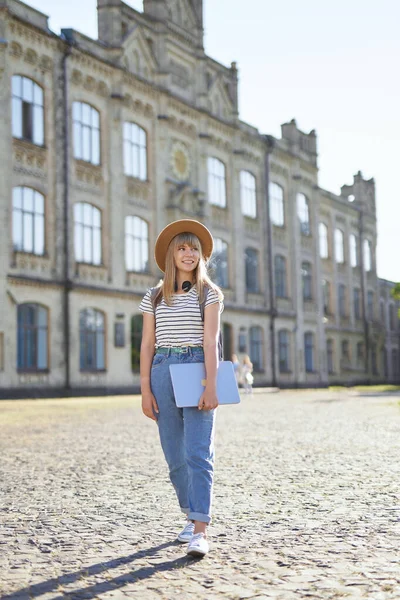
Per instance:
(103,142)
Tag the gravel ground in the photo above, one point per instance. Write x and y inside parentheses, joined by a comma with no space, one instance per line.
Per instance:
(306,503)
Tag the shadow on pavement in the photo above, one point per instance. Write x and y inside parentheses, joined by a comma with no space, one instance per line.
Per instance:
(92,591)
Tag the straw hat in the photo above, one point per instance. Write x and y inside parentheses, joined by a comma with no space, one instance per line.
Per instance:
(182,226)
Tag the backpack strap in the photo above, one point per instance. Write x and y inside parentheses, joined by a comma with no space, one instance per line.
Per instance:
(220,339)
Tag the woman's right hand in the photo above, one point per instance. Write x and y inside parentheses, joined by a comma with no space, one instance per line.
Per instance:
(149,405)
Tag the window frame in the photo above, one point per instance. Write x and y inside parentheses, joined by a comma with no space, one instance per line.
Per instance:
(33,219)
(138,151)
(276,204)
(137,242)
(252,270)
(306,281)
(220,265)
(339,246)
(280,274)
(35,334)
(92,335)
(248,194)
(323,233)
(95,234)
(303,213)
(216,182)
(309,367)
(284,351)
(94,133)
(256,342)
(36,108)
(353,249)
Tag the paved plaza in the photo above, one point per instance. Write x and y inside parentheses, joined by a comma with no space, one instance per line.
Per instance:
(306,501)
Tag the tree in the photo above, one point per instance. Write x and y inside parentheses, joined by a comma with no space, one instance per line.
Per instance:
(396,295)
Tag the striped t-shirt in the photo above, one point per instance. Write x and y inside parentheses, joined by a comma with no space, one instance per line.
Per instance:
(179,324)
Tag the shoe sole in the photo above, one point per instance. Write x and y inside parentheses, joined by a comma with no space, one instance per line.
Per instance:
(182,541)
(196,553)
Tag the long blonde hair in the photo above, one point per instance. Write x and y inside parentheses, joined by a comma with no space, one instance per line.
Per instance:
(202,279)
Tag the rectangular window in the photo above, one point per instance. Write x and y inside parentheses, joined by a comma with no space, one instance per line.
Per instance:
(357,304)
(330,357)
(283,338)
(339,246)
(342,300)
(277,212)
(309,352)
(251,268)
(370,305)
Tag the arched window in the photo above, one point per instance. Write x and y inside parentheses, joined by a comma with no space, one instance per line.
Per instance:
(339,246)
(86,123)
(27,110)
(135,151)
(303,213)
(219,263)
(306,276)
(284,351)
(92,340)
(32,351)
(216,182)
(136,245)
(28,220)
(280,276)
(323,240)
(252,270)
(330,356)
(256,348)
(309,351)
(353,250)
(276,207)
(87,233)
(367,255)
(136,340)
(248,194)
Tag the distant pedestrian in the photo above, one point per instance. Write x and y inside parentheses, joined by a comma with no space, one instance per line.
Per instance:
(247,374)
(175,333)
(236,367)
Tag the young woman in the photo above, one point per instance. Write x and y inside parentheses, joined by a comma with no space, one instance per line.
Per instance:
(174,333)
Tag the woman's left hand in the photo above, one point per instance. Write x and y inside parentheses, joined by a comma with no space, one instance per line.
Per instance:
(208,400)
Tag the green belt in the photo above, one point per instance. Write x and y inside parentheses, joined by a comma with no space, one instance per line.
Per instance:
(178,350)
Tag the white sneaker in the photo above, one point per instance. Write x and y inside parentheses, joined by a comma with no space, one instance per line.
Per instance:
(198,545)
(187,533)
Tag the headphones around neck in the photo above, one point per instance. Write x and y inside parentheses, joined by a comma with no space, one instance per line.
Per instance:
(186,286)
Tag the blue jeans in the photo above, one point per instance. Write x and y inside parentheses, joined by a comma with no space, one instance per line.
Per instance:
(187,437)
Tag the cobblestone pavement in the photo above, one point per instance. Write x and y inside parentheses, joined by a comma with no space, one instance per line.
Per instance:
(306,501)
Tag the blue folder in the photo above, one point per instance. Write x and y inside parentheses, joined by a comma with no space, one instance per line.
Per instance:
(188,382)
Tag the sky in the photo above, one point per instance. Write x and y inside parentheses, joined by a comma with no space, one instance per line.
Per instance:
(333,66)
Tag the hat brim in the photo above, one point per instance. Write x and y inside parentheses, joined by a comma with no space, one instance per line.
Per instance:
(182,226)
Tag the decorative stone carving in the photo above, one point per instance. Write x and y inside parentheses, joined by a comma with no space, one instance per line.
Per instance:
(31,56)
(219,217)
(76,77)
(29,158)
(139,190)
(88,174)
(91,272)
(180,161)
(46,63)
(252,227)
(90,83)
(16,49)
(102,89)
